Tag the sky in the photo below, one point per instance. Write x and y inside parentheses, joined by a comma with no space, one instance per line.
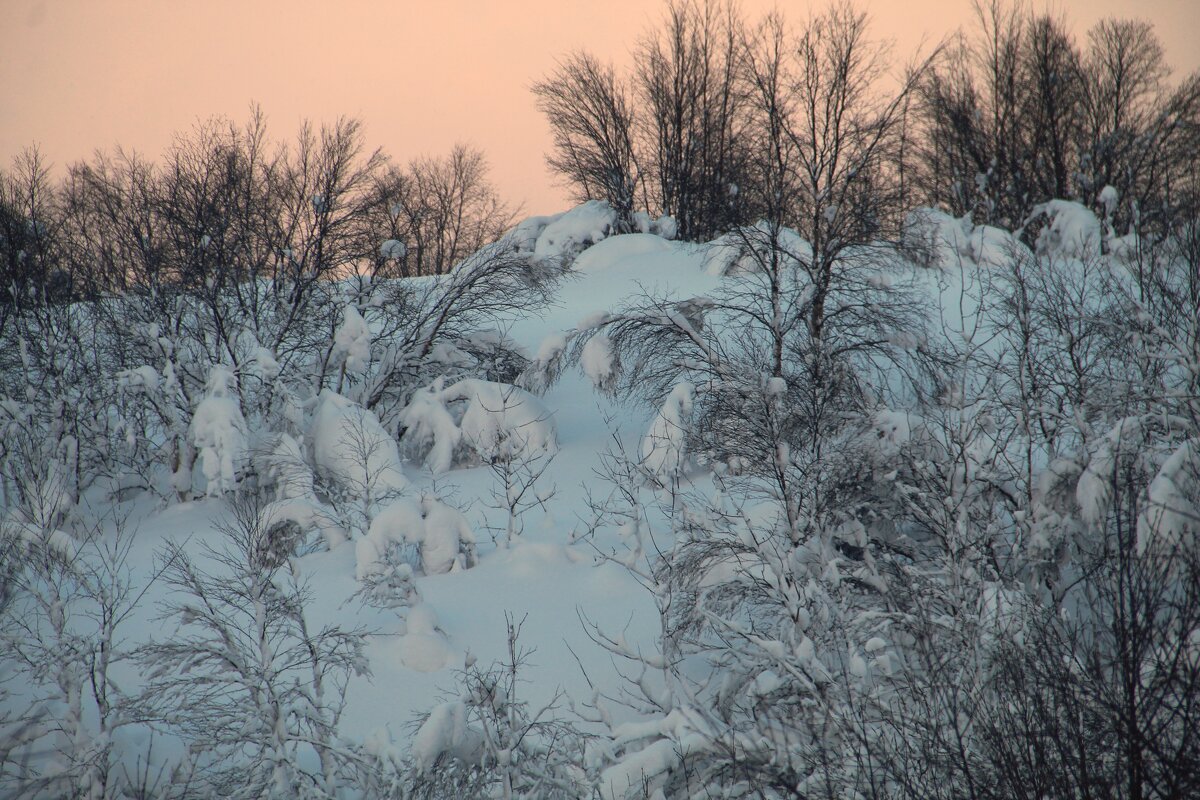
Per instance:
(81,75)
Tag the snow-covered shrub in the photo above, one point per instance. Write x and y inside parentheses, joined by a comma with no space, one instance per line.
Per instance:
(352,342)
(748,249)
(352,449)
(64,718)
(563,236)
(572,232)
(357,462)
(490,741)
(36,484)
(282,467)
(246,680)
(490,420)
(390,583)
(936,239)
(445,327)
(1070,231)
(218,432)
(392,249)
(502,421)
(440,534)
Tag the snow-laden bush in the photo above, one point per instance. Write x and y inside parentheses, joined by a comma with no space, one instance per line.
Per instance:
(490,741)
(489,420)
(440,534)
(351,448)
(563,236)
(352,342)
(1071,230)
(219,433)
(572,232)
(936,238)
(251,684)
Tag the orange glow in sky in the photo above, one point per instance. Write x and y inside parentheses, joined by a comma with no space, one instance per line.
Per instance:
(77,75)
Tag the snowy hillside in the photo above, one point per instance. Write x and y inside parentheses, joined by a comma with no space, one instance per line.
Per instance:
(591,515)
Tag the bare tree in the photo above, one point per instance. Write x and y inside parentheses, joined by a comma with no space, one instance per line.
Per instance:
(489,740)
(694,127)
(591,113)
(67,599)
(441,209)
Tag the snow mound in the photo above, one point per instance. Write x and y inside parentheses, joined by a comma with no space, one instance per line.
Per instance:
(618,248)
(424,648)
(351,447)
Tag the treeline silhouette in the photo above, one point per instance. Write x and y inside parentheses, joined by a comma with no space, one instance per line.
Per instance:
(721,119)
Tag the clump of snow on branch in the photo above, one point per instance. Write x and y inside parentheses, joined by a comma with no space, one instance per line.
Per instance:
(1171,516)
(599,362)
(393,249)
(541,372)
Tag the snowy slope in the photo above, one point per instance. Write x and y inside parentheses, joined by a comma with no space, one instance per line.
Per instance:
(550,569)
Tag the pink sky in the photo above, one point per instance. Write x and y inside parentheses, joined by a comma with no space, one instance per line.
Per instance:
(84,74)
